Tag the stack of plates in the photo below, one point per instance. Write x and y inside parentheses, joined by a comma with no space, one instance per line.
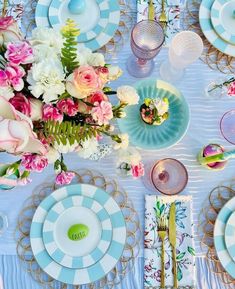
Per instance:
(96,253)
(217,20)
(97,23)
(224,236)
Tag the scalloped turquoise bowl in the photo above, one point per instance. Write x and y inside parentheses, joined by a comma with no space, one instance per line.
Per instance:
(151,137)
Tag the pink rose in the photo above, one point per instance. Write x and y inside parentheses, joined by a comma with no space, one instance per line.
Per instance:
(64,178)
(21,103)
(231,89)
(102,112)
(49,112)
(97,96)
(9,30)
(34,162)
(36,109)
(137,170)
(15,75)
(19,53)
(4,80)
(103,73)
(68,106)
(83,82)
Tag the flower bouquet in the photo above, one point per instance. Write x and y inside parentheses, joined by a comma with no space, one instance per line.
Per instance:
(54,99)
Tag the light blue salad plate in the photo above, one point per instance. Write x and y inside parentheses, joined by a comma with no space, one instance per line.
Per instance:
(230,235)
(223,19)
(219,237)
(208,29)
(71,211)
(101,32)
(151,137)
(106,263)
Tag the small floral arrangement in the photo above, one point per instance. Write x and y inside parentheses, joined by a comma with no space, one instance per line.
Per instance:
(129,163)
(227,87)
(55,99)
(154,111)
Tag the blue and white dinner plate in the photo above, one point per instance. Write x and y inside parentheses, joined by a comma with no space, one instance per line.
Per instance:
(223,19)
(230,235)
(151,137)
(219,237)
(42,20)
(71,211)
(209,32)
(106,263)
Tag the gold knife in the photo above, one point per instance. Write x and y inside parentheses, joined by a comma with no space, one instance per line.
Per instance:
(172,239)
(151,8)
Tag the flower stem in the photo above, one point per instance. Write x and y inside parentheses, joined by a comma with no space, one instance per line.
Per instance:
(222,84)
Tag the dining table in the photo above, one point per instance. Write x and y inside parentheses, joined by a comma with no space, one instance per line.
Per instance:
(204,128)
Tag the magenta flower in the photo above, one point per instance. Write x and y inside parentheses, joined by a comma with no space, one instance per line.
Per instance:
(231,89)
(4,80)
(102,112)
(137,170)
(19,53)
(68,106)
(21,103)
(64,178)
(49,112)
(34,162)
(15,75)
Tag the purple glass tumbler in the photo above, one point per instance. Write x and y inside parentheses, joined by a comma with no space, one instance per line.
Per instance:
(147,38)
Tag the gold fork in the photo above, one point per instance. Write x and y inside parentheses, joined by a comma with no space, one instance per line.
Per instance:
(162,230)
(162,17)
(151,14)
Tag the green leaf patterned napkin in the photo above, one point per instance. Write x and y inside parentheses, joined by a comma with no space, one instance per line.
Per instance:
(155,207)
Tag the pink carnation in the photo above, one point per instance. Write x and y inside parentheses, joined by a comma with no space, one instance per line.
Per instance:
(21,103)
(137,170)
(68,106)
(19,53)
(15,75)
(5,22)
(33,162)
(231,89)
(102,112)
(4,80)
(49,112)
(64,178)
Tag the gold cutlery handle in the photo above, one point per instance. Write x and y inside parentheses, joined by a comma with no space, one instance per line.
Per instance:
(151,14)
(163,266)
(174,267)
(163,5)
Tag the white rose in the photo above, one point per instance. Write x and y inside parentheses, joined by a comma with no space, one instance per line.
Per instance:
(96,59)
(52,155)
(10,31)
(114,72)
(82,55)
(127,94)
(36,109)
(124,142)
(89,147)
(6,92)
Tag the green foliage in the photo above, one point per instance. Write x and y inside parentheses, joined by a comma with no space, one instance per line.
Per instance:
(68,131)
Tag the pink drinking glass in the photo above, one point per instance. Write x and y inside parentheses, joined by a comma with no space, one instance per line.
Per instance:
(227,126)
(147,38)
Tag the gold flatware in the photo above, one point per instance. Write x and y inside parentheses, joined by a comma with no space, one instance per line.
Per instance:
(163,17)
(162,230)
(172,239)
(151,14)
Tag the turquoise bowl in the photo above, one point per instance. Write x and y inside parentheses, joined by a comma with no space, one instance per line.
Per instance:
(170,132)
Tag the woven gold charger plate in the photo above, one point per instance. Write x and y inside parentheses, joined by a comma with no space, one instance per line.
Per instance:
(217,199)
(211,56)
(131,250)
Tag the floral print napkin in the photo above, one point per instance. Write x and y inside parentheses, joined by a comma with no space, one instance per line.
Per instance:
(173,11)
(155,207)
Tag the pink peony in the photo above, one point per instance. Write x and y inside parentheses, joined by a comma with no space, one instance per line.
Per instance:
(102,112)
(103,73)
(231,89)
(19,53)
(9,30)
(15,75)
(34,162)
(49,112)
(64,178)
(68,106)
(97,96)
(83,82)
(21,103)
(137,170)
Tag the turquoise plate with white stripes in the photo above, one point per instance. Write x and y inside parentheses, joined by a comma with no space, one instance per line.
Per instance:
(71,211)
(230,235)
(209,32)
(219,237)
(102,38)
(110,258)
(223,19)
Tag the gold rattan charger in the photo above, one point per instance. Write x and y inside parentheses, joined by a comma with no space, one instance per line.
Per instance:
(131,250)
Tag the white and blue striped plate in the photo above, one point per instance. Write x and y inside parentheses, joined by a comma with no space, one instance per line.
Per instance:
(106,263)
(219,237)
(209,32)
(77,210)
(230,235)
(42,20)
(222,18)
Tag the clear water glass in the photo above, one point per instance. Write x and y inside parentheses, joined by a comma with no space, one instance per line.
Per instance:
(147,38)
(227,126)
(185,48)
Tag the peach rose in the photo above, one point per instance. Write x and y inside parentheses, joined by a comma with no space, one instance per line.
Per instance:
(9,30)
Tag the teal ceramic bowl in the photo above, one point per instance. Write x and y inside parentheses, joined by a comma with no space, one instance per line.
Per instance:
(152,137)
